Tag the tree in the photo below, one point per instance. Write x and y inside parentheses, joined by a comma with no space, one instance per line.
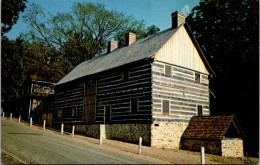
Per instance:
(228,32)
(12,69)
(10,13)
(80,34)
(137,28)
(42,64)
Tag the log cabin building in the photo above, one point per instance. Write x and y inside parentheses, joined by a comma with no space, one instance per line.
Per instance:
(151,88)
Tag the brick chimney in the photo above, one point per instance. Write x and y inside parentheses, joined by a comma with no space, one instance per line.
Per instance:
(177,19)
(129,38)
(111,45)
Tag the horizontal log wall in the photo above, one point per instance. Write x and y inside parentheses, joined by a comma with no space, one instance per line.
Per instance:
(66,98)
(113,91)
(182,92)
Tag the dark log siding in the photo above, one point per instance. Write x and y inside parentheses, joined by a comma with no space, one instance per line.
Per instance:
(66,98)
(117,93)
(181,90)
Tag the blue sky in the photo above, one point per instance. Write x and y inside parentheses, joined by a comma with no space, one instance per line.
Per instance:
(154,12)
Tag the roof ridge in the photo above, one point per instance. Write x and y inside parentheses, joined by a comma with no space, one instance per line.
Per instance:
(138,50)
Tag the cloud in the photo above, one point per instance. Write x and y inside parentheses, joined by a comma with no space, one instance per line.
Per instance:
(186,10)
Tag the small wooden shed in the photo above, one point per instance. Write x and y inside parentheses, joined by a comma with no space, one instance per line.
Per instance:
(220,135)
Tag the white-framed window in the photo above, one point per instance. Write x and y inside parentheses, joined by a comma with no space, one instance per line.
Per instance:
(59,113)
(197,77)
(168,70)
(74,111)
(200,110)
(165,107)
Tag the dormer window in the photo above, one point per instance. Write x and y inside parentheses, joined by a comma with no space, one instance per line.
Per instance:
(197,77)
(168,71)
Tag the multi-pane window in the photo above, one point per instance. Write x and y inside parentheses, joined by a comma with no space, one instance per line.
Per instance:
(74,111)
(40,104)
(36,88)
(168,70)
(90,82)
(51,90)
(166,107)
(40,88)
(107,114)
(200,110)
(37,104)
(59,113)
(34,104)
(197,77)
(125,75)
(46,89)
(134,105)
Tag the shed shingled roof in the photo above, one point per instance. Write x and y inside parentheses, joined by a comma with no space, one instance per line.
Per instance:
(208,127)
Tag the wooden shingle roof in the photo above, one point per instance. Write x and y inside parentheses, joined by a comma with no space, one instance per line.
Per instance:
(209,127)
(141,49)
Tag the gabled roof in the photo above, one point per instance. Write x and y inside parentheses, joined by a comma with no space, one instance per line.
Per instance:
(210,127)
(139,50)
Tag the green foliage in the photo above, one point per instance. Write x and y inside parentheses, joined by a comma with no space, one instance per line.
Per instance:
(12,68)
(137,28)
(228,31)
(82,33)
(10,13)
(43,63)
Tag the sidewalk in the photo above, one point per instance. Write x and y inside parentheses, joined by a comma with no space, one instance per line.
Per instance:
(174,156)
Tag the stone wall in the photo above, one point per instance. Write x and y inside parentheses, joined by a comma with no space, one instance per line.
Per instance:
(92,130)
(123,132)
(79,129)
(167,134)
(232,147)
(211,146)
(129,132)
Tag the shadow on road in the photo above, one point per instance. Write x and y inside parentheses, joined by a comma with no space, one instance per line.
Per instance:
(25,133)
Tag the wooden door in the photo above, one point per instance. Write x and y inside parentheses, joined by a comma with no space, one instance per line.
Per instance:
(89,113)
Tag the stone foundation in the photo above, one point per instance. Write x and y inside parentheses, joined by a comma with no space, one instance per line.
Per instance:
(129,132)
(232,147)
(211,146)
(227,147)
(123,132)
(167,134)
(79,129)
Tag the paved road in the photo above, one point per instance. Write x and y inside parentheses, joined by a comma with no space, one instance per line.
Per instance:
(32,145)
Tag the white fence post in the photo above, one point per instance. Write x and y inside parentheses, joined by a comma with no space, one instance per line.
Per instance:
(44,122)
(140,146)
(73,129)
(19,118)
(202,155)
(100,138)
(30,121)
(62,127)
(11,115)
